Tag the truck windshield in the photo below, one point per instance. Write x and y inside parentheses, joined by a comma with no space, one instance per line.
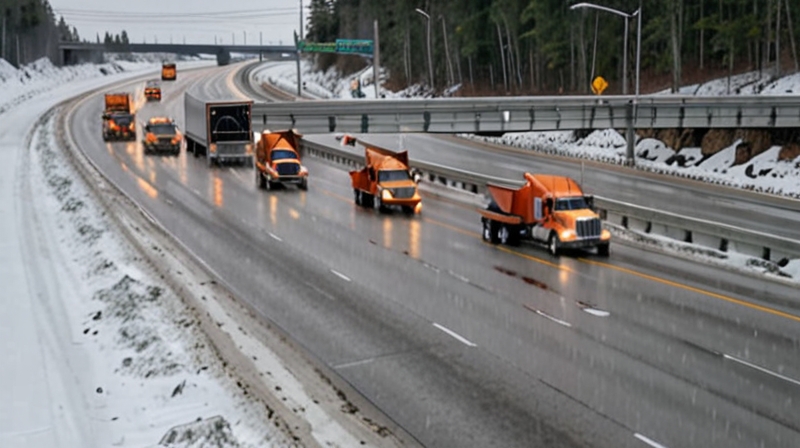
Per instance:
(393,175)
(122,119)
(162,129)
(577,203)
(279,154)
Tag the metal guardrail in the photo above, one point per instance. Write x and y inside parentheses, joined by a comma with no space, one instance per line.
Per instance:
(519,114)
(711,235)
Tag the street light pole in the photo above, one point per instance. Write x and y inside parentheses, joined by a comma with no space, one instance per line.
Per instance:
(638,46)
(626,16)
(625,59)
(430,59)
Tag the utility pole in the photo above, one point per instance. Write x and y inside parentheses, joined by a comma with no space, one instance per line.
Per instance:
(450,77)
(233,38)
(4,37)
(376,62)
(299,75)
(301,20)
(430,58)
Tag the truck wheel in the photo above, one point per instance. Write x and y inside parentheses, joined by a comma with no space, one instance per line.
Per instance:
(508,235)
(357,197)
(267,184)
(552,244)
(504,234)
(490,230)
(367,200)
(260,180)
(603,250)
(381,208)
(304,185)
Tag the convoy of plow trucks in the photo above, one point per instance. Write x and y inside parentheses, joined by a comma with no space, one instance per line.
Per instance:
(550,211)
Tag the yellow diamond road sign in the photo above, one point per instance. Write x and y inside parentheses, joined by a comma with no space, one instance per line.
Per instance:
(599,85)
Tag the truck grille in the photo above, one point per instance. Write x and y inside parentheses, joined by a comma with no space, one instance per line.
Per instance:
(403,193)
(165,141)
(288,169)
(588,228)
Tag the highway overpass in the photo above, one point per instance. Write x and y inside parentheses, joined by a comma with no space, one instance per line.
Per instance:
(77,52)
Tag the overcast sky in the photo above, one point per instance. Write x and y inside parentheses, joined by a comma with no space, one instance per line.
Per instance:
(195,21)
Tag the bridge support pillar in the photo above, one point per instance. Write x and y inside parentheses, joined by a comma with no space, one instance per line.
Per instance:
(630,136)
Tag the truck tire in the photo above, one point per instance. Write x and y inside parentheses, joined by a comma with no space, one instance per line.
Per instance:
(367,200)
(304,184)
(508,235)
(260,184)
(603,250)
(357,197)
(552,244)
(408,210)
(490,231)
(381,208)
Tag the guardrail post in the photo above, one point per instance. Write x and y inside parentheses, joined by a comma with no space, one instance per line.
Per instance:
(630,136)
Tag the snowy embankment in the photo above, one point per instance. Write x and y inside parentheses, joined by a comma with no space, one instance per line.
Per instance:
(132,352)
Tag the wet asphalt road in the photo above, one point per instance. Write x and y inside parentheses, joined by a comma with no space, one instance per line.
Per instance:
(466,344)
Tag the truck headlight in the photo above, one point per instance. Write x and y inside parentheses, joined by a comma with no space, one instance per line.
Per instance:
(567,234)
(386,194)
(212,147)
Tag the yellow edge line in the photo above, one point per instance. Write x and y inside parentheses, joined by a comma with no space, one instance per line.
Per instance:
(695,290)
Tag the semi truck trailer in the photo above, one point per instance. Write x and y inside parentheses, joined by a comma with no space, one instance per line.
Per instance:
(218,130)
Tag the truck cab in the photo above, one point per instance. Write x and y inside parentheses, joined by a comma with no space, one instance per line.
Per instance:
(162,136)
(550,210)
(278,160)
(152,91)
(119,122)
(168,71)
(386,182)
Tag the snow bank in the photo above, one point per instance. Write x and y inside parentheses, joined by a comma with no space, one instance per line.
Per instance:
(148,367)
(18,85)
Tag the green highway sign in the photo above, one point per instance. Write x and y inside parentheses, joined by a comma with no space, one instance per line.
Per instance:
(354,46)
(342,46)
(316,47)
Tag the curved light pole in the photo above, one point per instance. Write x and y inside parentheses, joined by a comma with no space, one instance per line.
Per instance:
(627,17)
(430,61)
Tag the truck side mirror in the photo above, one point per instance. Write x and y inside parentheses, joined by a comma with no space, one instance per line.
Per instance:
(589,201)
(105,116)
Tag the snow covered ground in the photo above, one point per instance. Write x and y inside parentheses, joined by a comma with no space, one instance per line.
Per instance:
(329,84)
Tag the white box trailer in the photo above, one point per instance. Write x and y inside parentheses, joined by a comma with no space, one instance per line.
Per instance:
(219,130)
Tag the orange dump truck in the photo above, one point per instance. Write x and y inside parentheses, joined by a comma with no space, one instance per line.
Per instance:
(118,118)
(168,71)
(278,160)
(386,182)
(551,210)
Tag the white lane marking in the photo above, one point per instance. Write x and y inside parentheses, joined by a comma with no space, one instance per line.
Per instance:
(354,363)
(455,335)
(554,319)
(458,276)
(274,237)
(340,275)
(596,312)
(649,441)
(237,174)
(761,369)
